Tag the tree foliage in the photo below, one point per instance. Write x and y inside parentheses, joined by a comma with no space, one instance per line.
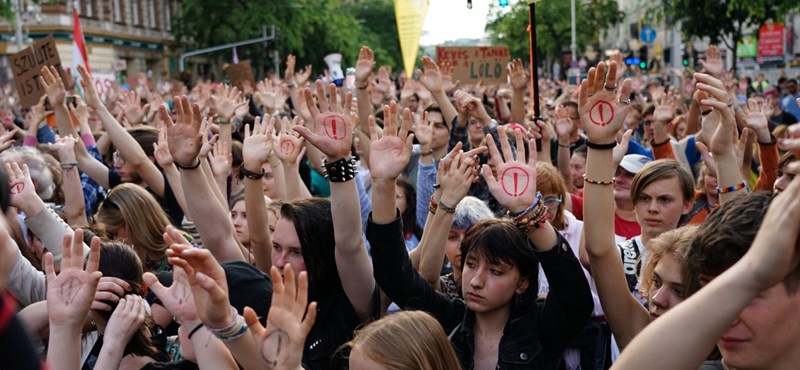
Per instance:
(309,29)
(553,25)
(722,21)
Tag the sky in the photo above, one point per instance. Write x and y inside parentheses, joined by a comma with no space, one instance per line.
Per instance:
(451,20)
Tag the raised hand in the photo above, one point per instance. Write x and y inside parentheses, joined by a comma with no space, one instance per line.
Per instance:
(50,79)
(364,66)
(220,159)
(423,131)
(36,116)
(288,75)
(132,107)
(563,125)
(80,110)
(183,136)
(446,70)
(63,145)
(333,135)
(458,173)
(227,100)
(89,92)
(289,321)
(70,293)
(208,142)
(384,84)
(177,298)
(290,147)
(205,275)
(302,76)
(126,319)
(161,149)
(21,189)
(601,111)
(517,74)
(431,78)
(390,154)
(109,290)
(515,185)
(257,145)
(757,118)
(713,63)
(722,141)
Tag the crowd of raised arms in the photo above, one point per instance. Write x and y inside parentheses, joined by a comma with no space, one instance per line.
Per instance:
(403,223)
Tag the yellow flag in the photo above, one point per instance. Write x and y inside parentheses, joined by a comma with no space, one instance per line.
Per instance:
(410,15)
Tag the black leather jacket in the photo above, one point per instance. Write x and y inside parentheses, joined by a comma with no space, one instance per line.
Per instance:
(533,339)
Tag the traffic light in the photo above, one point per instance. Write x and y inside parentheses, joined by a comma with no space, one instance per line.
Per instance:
(503,3)
(643,57)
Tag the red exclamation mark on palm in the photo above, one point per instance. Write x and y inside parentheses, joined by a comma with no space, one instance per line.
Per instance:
(333,128)
(516,180)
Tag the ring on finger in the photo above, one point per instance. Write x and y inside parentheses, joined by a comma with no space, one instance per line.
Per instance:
(590,94)
(730,103)
(610,88)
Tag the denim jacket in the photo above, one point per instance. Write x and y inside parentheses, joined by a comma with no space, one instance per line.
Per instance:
(533,338)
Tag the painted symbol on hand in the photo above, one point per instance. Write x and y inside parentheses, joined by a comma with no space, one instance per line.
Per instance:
(69,290)
(273,346)
(335,126)
(287,147)
(602,113)
(17,187)
(515,181)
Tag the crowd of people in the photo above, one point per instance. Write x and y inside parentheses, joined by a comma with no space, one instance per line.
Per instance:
(403,223)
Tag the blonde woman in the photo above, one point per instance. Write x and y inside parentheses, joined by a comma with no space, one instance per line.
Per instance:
(131,214)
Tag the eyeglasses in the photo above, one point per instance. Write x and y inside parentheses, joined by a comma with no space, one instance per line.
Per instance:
(118,158)
(553,202)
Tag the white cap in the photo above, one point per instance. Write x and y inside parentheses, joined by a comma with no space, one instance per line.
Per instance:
(634,163)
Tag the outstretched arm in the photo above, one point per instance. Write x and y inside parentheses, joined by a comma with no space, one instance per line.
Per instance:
(123,141)
(625,314)
(333,137)
(256,149)
(184,143)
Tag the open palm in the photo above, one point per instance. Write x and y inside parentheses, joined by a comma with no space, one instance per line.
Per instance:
(390,154)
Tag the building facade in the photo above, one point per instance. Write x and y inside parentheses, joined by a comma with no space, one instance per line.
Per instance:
(127,36)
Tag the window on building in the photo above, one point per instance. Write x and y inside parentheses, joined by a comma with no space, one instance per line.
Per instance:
(135,12)
(167,4)
(119,15)
(87,8)
(151,12)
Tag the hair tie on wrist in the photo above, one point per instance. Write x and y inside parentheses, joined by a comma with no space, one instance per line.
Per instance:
(196,328)
(592,145)
(182,167)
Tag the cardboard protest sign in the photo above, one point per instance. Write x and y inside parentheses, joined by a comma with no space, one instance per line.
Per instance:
(27,65)
(476,63)
(239,73)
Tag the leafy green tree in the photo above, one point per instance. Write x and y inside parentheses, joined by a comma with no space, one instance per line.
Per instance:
(553,27)
(309,29)
(722,21)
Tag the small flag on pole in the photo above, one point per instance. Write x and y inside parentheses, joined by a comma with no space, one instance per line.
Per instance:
(79,56)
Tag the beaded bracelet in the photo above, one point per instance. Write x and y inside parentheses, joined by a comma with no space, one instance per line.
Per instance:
(517,216)
(342,170)
(232,331)
(535,221)
(432,205)
(446,208)
(595,182)
(222,121)
(733,188)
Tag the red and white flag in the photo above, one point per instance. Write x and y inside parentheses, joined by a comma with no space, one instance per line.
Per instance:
(79,56)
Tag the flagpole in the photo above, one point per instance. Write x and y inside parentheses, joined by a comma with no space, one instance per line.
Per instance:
(534,69)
